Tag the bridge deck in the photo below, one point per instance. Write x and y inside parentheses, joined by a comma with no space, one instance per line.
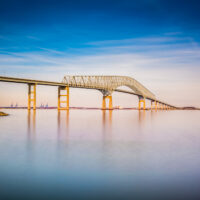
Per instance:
(30,81)
(52,83)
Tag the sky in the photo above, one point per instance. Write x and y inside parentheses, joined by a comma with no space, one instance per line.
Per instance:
(154,41)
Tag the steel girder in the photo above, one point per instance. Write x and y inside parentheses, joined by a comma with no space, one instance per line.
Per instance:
(107,84)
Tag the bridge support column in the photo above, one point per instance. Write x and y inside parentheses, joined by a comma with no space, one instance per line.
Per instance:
(104,102)
(63,98)
(153,105)
(141,100)
(32,96)
(158,105)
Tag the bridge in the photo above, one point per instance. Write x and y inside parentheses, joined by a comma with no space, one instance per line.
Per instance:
(105,84)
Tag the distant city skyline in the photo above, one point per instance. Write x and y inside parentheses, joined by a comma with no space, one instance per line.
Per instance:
(153,41)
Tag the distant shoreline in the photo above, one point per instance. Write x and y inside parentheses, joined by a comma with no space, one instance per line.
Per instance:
(95,108)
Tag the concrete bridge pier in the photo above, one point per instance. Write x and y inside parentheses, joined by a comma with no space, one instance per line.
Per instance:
(164,107)
(158,106)
(154,105)
(63,98)
(31,96)
(104,102)
(107,94)
(141,100)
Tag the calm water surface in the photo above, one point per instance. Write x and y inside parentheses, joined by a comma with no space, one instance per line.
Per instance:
(91,153)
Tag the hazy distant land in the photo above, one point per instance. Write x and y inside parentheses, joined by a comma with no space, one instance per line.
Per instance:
(97,108)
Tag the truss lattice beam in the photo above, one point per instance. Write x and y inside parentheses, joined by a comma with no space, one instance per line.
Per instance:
(107,84)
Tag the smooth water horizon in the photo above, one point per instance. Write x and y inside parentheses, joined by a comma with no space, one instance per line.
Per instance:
(46,154)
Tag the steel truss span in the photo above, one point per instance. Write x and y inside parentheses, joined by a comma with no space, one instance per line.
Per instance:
(107,84)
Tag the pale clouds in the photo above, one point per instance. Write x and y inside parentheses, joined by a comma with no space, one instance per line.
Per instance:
(32,37)
(145,41)
(170,70)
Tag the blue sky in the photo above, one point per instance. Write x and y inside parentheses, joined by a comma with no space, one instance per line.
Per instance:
(154,41)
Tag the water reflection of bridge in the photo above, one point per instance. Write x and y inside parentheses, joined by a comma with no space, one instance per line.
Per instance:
(63,125)
(105,84)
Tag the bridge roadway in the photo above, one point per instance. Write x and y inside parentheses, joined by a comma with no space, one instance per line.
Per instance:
(33,83)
